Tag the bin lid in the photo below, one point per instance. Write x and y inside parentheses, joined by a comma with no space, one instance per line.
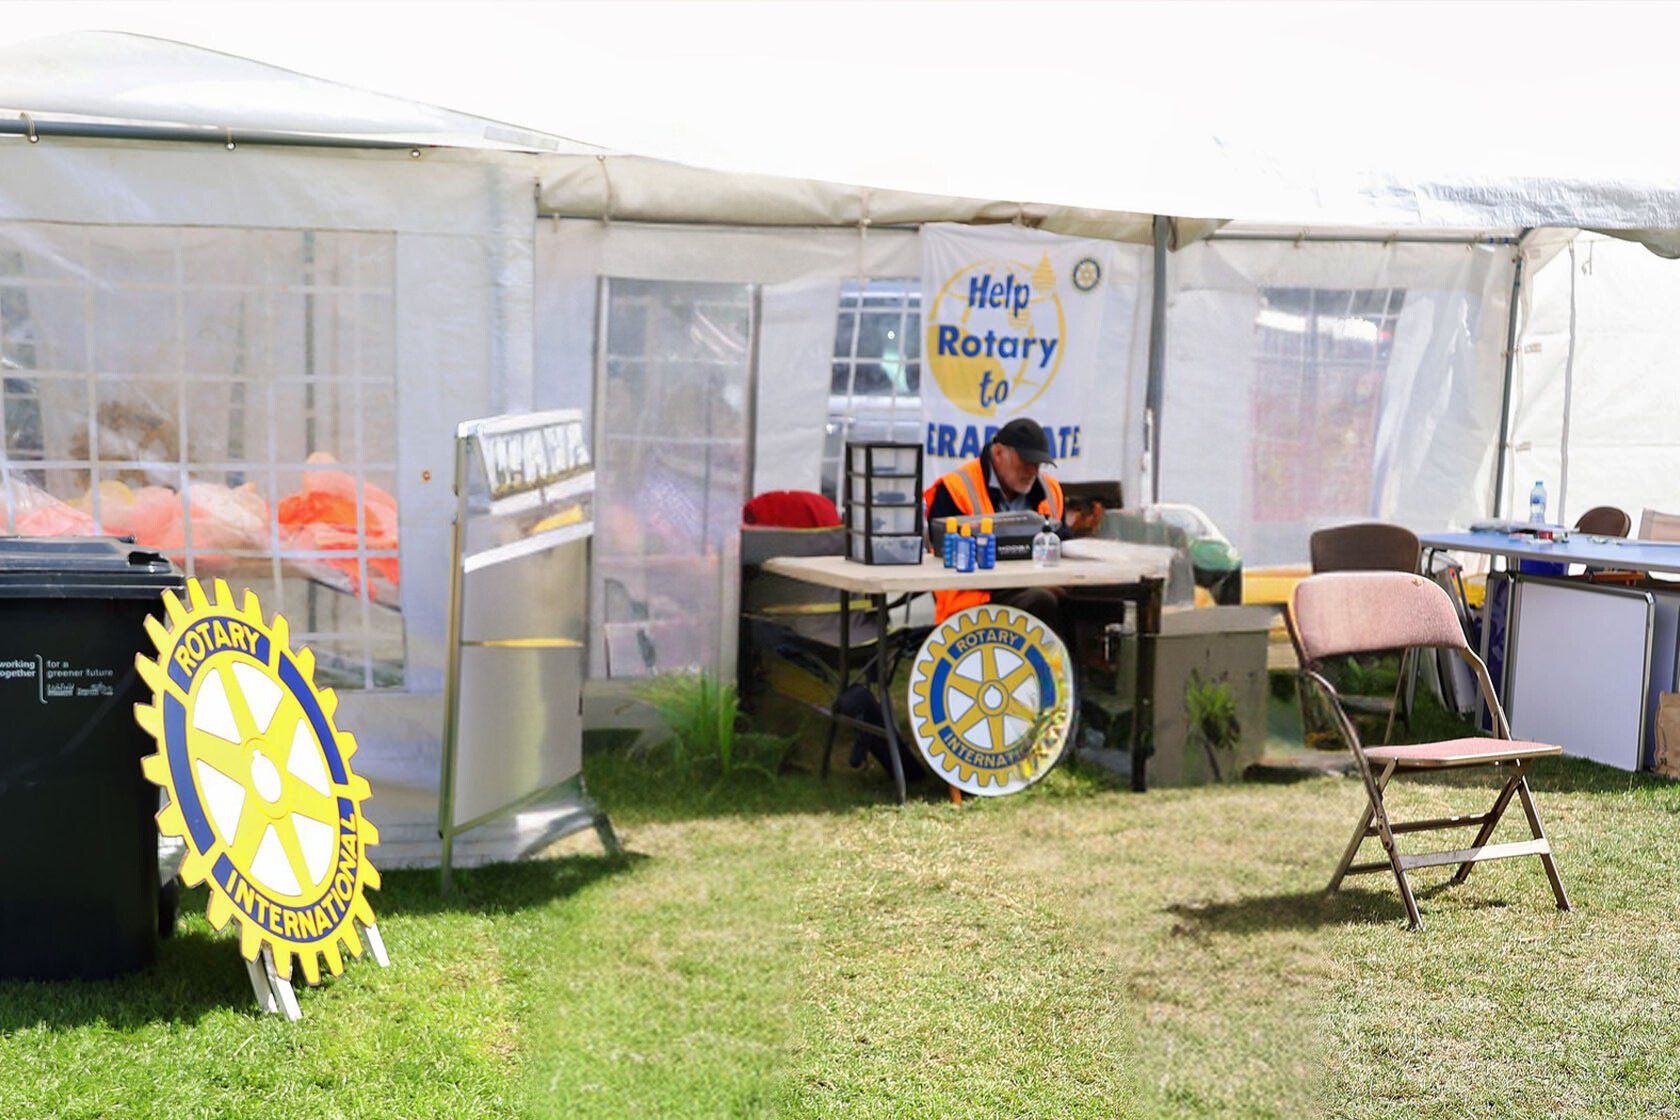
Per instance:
(1186,622)
(83,567)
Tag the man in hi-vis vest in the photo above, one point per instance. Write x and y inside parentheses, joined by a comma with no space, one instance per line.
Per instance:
(1005,477)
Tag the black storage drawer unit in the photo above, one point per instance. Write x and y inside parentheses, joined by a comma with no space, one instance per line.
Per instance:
(883,496)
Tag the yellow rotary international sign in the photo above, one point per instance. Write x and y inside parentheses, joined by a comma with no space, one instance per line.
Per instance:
(991,699)
(259,781)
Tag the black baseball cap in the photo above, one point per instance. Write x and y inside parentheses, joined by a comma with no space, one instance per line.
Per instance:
(1027,439)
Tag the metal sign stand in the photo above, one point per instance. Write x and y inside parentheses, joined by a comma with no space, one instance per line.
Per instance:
(274,992)
(512,731)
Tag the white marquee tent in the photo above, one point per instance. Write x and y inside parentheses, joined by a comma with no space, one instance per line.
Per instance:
(212,269)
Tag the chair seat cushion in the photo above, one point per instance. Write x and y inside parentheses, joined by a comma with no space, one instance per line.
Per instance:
(1461,752)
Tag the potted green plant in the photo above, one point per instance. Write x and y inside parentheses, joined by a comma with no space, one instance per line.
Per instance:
(1212,708)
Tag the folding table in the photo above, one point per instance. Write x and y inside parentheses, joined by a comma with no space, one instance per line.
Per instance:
(1136,571)
(1582,664)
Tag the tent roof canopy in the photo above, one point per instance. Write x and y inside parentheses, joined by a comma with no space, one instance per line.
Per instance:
(140,83)
(109,83)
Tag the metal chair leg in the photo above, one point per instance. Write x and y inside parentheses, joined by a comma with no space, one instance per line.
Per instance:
(1494,814)
(1546,860)
(1374,788)
(1360,831)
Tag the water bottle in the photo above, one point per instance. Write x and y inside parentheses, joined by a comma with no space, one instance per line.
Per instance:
(950,542)
(1047,548)
(963,555)
(985,545)
(1537,503)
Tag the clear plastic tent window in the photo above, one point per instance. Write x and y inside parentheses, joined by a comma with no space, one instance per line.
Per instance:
(1312,384)
(226,396)
(671,461)
(1321,358)
(875,391)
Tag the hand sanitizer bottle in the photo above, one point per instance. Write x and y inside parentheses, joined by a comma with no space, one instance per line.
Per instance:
(1046,548)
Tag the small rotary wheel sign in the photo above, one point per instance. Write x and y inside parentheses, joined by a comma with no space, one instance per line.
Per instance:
(991,698)
(1087,274)
(259,785)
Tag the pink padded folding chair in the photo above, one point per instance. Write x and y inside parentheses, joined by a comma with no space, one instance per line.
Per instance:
(1340,613)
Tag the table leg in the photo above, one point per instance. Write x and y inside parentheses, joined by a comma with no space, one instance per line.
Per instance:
(1143,706)
(845,676)
(883,679)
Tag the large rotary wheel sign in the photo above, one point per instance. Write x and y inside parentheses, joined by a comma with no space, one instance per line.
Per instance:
(991,699)
(259,782)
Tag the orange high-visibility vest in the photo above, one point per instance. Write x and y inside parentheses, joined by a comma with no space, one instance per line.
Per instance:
(967,485)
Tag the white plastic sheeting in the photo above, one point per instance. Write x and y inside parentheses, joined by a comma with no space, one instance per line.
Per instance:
(798,272)
(1400,155)
(1596,392)
(136,80)
(672,448)
(442,193)
(223,395)
(672,377)
(457,235)
(636,188)
(496,308)
(1318,383)
(796,342)
(1305,383)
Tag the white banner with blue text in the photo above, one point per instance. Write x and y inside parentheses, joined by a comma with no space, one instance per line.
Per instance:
(1012,321)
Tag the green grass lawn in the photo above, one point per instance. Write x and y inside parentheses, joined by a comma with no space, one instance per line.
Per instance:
(799,948)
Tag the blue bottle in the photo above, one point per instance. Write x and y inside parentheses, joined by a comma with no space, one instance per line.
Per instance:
(985,545)
(964,557)
(949,542)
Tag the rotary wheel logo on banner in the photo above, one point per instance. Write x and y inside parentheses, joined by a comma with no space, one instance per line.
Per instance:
(991,699)
(259,781)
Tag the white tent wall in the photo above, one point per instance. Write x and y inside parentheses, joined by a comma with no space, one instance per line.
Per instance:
(1113,411)
(696,315)
(491,308)
(664,582)
(792,266)
(566,265)
(795,348)
(1309,383)
(1539,372)
(426,320)
(663,588)
(1595,408)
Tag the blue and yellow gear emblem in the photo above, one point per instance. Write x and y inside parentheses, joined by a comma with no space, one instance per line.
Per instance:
(1087,274)
(991,699)
(258,780)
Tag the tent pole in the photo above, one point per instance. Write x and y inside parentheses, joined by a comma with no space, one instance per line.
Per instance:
(1510,367)
(1395,238)
(196,135)
(1157,359)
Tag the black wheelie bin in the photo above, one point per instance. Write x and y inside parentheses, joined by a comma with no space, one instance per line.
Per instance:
(77,824)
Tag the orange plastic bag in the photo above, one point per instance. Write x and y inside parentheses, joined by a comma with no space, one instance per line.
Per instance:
(322,517)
